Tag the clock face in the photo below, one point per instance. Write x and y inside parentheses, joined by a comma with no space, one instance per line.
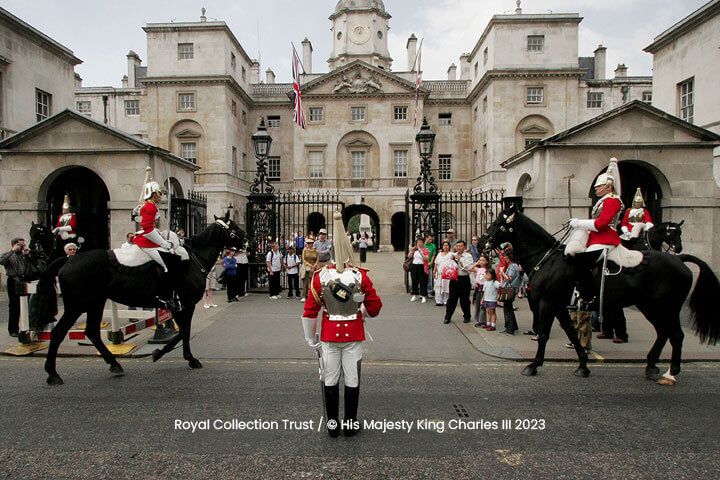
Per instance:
(360,34)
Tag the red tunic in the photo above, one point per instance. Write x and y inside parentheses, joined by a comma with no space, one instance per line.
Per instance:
(342,331)
(62,222)
(605,223)
(629,225)
(148,215)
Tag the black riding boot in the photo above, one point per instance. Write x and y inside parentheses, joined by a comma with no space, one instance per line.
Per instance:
(332,405)
(352,396)
(166,294)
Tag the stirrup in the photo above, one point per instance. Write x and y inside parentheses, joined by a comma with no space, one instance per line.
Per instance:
(173,304)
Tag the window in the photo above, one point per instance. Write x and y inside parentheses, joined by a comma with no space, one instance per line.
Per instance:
(400,162)
(357,114)
(535,95)
(188,151)
(132,107)
(535,43)
(445,118)
(233,108)
(233,161)
(400,113)
(244,117)
(687,100)
(485,56)
(84,106)
(485,103)
(273,121)
(444,167)
(274,169)
(647,97)
(358,165)
(316,114)
(233,62)
(43,104)
(186,101)
(529,142)
(594,99)
(315,164)
(242,73)
(185,51)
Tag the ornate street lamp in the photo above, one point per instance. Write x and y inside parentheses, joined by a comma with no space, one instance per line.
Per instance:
(261,142)
(425,140)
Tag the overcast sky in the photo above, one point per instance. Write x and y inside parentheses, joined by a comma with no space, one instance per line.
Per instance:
(101,32)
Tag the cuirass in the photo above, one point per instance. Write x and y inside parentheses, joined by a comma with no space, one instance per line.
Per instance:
(338,290)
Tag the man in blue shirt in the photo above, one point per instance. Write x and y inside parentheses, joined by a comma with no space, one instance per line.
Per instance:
(512,277)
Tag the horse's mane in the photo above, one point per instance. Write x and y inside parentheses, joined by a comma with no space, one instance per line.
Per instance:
(205,237)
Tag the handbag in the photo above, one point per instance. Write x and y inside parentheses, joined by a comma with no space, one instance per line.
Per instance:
(506,293)
(449,271)
(407,264)
(222,278)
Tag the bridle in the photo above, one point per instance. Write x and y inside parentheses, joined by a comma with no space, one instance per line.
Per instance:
(231,233)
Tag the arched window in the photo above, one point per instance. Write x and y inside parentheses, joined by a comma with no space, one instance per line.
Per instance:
(447,221)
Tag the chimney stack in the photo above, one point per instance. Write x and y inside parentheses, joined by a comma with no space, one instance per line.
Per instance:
(465,66)
(452,72)
(621,70)
(203,18)
(307,55)
(411,52)
(78,81)
(124,81)
(255,72)
(134,62)
(600,62)
(269,76)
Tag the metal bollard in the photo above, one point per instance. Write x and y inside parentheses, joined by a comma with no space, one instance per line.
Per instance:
(115,335)
(24,336)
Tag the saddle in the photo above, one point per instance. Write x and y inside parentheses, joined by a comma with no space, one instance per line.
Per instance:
(625,258)
(133,256)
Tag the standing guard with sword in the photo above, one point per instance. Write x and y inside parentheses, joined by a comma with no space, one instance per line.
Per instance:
(346,295)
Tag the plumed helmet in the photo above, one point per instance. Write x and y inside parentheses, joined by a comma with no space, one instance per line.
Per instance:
(66,201)
(342,249)
(150,188)
(638,200)
(610,177)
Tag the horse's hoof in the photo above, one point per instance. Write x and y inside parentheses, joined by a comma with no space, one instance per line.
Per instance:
(529,371)
(54,380)
(195,363)
(157,354)
(582,372)
(652,373)
(117,371)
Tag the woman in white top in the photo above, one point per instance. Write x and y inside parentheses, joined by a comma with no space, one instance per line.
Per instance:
(442,286)
(242,271)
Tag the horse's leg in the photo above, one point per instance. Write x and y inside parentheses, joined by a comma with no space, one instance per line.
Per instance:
(92,332)
(567,325)
(546,319)
(187,316)
(159,352)
(56,337)
(652,372)
(676,340)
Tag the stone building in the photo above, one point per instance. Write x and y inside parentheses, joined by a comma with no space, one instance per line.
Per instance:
(201,97)
(37,75)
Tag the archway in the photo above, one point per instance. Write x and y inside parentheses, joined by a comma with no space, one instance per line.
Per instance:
(523,184)
(173,187)
(355,223)
(88,199)
(315,221)
(634,174)
(398,231)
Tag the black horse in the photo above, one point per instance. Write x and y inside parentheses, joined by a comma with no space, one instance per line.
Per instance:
(88,280)
(658,287)
(666,237)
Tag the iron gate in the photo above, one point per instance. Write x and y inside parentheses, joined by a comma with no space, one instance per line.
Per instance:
(270,217)
(189,213)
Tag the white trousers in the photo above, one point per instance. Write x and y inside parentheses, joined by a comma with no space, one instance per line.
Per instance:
(345,356)
(155,255)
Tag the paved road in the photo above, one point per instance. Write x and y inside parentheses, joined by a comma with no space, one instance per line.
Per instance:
(613,425)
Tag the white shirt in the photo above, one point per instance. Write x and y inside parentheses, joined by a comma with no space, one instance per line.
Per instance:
(418,258)
(242,257)
(275,259)
(465,262)
(291,263)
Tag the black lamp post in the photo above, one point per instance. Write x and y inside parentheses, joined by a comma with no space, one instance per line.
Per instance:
(261,142)
(425,140)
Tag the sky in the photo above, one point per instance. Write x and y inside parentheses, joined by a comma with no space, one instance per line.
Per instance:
(101,32)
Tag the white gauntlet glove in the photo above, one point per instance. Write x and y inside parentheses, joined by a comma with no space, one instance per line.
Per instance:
(583,224)
(309,327)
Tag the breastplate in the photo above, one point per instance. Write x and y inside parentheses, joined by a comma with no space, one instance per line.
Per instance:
(597,210)
(338,291)
(636,215)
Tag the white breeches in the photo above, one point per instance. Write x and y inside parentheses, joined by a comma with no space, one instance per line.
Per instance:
(342,355)
(576,242)
(155,255)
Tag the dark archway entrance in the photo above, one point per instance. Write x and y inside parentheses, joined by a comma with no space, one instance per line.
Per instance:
(634,174)
(398,231)
(88,199)
(352,211)
(315,221)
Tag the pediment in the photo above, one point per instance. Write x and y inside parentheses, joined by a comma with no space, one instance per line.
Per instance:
(534,129)
(358,78)
(188,133)
(358,145)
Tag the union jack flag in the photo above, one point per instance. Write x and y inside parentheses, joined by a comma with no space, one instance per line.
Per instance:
(298,115)
(418,81)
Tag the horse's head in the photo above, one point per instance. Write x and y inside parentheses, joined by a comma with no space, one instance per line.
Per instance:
(233,236)
(503,229)
(41,237)
(671,235)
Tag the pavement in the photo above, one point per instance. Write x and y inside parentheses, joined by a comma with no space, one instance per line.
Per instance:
(257,327)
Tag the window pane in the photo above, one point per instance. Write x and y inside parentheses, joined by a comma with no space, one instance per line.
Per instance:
(594,99)
(358,164)
(188,151)
(315,163)
(274,169)
(400,113)
(273,121)
(316,114)
(357,114)
(132,107)
(84,107)
(401,163)
(444,167)
(187,101)
(535,95)
(42,105)
(445,118)
(535,43)
(185,51)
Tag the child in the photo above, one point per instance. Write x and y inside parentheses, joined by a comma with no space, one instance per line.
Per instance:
(481,267)
(292,267)
(490,296)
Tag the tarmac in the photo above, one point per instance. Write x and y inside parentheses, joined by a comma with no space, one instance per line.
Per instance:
(256,327)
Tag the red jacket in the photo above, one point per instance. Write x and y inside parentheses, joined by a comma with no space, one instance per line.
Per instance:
(339,331)
(63,222)
(605,223)
(626,218)
(148,214)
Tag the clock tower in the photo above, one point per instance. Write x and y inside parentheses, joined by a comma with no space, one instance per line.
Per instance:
(360,29)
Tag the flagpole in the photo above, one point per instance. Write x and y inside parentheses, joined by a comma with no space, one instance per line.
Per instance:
(417,54)
(298,57)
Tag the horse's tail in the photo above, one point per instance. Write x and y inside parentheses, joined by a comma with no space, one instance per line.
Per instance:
(703,302)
